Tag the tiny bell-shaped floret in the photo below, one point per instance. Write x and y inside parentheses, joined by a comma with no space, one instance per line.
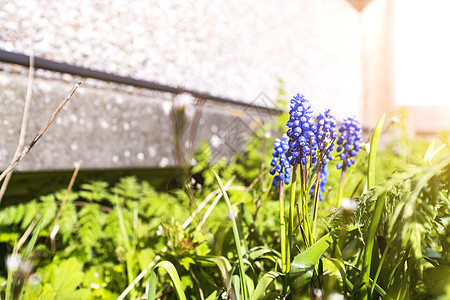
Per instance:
(280,162)
(301,130)
(326,134)
(348,142)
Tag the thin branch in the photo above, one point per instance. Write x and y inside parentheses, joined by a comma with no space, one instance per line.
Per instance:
(211,207)
(200,291)
(23,128)
(199,208)
(141,275)
(55,226)
(40,133)
(26,234)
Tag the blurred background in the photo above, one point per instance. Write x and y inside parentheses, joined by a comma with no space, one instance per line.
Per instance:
(158,71)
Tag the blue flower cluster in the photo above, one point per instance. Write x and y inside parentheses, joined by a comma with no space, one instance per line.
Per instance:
(280,162)
(349,139)
(311,140)
(302,130)
(326,134)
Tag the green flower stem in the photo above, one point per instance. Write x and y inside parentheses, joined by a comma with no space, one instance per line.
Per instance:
(304,205)
(129,256)
(341,185)
(380,265)
(302,230)
(308,218)
(316,204)
(291,217)
(282,231)
(237,239)
(305,213)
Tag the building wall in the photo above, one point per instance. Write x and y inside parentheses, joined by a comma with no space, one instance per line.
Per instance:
(230,48)
(236,49)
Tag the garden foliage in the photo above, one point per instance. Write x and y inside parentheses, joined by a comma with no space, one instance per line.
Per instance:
(223,237)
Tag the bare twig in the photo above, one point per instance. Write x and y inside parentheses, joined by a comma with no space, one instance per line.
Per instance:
(26,234)
(207,199)
(199,208)
(55,226)
(141,275)
(211,207)
(23,128)
(40,133)
(200,291)
(194,125)
(287,295)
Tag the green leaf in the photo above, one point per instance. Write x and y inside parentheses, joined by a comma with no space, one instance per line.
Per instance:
(373,152)
(302,267)
(368,249)
(378,207)
(223,264)
(264,283)
(333,271)
(212,296)
(91,229)
(95,191)
(33,240)
(237,239)
(65,277)
(176,282)
(68,221)
(186,262)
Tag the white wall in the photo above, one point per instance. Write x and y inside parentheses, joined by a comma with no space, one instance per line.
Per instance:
(231,48)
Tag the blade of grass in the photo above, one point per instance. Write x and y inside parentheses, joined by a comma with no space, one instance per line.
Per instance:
(236,284)
(379,206)
(27,233)
(33,239)
(380,265)
(129,256)
(263,284)
(30,246)
(303,265)
(237,239)
(223,265)
(213,205)
(368,250)
(55,226)
(10,275)
(383,293)
(152,286)
(373,152)
(204,203)
(170,269)
(164,249)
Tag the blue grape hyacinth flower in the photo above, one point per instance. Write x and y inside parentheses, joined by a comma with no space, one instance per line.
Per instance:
(326,135)
(301,132)
(349,142)
(280,162)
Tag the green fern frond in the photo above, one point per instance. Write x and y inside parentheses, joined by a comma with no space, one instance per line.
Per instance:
(91,221)
(95,191)
(68,221)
